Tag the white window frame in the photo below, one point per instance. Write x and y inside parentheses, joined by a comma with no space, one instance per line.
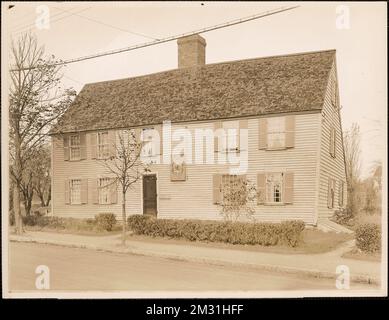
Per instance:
(74,147)
(230,145)
(75,191)
(104,190)
(276,131)
(270,191)
(102,146)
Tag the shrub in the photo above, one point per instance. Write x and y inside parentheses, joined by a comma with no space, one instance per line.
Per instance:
(344,216)
(368,237)
(105,221)
(266,234)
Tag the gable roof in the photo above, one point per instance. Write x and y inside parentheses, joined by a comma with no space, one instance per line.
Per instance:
(279,84)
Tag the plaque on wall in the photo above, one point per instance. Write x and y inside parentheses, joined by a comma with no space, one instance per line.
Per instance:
(178,172)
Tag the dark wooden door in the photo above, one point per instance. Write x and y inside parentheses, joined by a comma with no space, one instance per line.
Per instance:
(150,195)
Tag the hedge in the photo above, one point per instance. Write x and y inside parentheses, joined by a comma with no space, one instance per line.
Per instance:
(101,222)
(266,234)
(368,237)
(105,221)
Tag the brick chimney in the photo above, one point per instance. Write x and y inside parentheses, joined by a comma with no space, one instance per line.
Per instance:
(191,51)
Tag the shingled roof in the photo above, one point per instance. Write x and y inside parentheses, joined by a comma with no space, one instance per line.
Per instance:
(279,84)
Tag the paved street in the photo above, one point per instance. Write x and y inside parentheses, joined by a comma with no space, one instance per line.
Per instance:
(85,269)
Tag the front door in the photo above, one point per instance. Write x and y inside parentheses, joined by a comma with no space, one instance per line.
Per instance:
(150,194)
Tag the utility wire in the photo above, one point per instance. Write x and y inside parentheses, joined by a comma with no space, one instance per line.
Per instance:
(171,38)
(108,25)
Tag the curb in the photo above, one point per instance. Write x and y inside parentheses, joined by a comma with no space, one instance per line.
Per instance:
(363,279)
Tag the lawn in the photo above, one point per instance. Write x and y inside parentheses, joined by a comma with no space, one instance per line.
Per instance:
(359,255)
(314,241)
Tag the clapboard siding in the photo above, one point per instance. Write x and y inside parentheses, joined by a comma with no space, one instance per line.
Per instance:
(330,167)
(193,198)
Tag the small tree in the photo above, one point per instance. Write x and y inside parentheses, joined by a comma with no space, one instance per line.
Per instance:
(127,168)
(353,164)
(238,199)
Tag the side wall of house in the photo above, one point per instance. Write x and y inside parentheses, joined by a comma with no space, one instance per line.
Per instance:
(193,198)
(331,167)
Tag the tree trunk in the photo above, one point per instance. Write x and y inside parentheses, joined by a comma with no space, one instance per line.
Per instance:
(16,205)
(48,197)
(18,215)
(124,222)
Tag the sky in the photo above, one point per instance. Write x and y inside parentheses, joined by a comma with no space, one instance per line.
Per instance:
(356,30)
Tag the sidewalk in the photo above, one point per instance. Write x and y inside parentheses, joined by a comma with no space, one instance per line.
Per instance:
(314,265)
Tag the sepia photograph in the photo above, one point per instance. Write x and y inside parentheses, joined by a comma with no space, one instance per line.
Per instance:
(194,150)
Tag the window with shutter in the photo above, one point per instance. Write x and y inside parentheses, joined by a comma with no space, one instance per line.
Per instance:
(75,147)
(274,187)
(276,133)
(102,145)
(75,191)
(104,190)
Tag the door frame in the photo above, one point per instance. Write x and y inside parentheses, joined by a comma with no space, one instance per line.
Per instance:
(156,188)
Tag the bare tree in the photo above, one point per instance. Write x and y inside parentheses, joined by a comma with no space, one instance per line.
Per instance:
(127,167)
(238,199)
(36,101)
(353,165)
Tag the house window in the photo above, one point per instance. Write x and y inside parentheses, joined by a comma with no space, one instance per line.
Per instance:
(75,147)
(341,193)
(75,191)
(274,190)
(331,193)
(276,132)
(103,146)
(333,142)
(230,141)
(104,190)
(149,152)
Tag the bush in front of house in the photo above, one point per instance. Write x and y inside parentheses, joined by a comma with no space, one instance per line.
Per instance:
(344,216)
(105,221)
(368,237)
(267,234)
(71,224)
